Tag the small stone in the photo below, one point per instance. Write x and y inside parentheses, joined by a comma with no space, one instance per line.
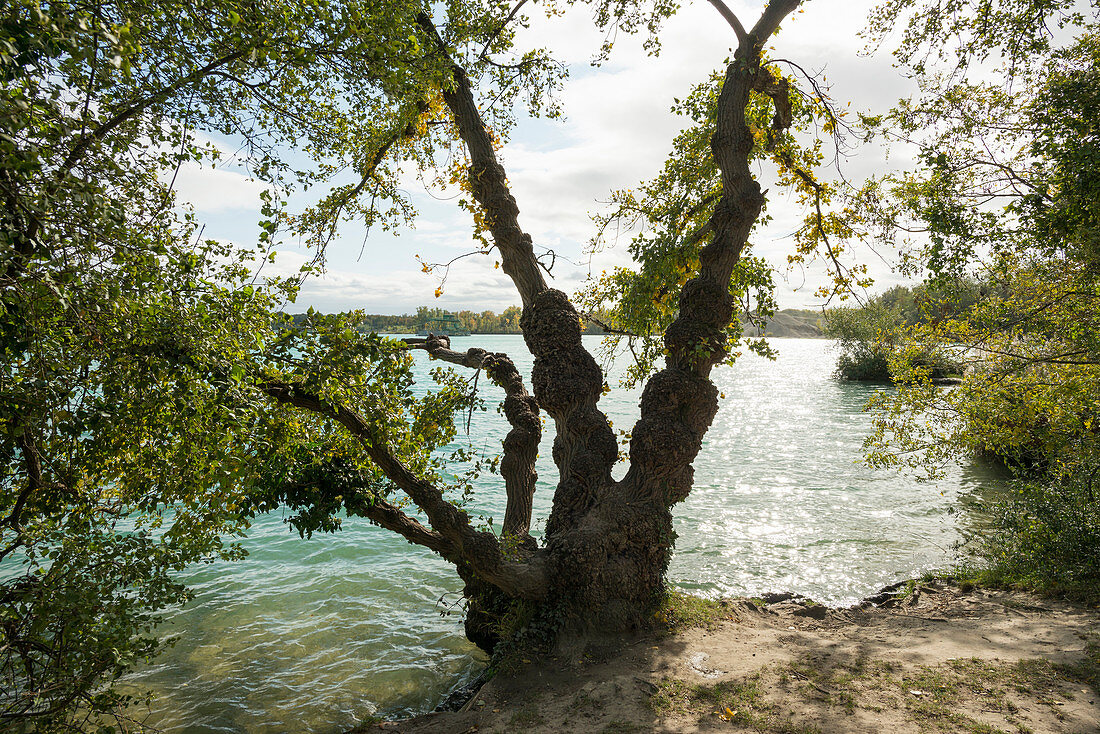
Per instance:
(815,611)
(774,598)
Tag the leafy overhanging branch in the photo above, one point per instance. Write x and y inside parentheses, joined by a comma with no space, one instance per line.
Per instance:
(107,287)
(1005,198)
(480,549)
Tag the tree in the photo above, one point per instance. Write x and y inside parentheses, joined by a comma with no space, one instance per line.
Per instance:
(129,423)
(153,402)
(1006,192)
(674,213)
(607,542)
(1005,195)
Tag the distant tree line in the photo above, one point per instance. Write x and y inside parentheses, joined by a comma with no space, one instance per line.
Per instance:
(483,322)
(935,301)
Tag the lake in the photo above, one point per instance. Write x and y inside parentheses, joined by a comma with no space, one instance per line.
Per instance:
(314,635)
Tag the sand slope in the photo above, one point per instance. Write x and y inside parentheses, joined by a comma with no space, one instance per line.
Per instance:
(940,659)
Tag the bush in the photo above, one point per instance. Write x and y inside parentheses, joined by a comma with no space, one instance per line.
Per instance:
(864,338)
(870,340)
(1044,537)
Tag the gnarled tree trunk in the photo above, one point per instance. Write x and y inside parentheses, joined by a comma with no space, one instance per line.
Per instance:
(608,543)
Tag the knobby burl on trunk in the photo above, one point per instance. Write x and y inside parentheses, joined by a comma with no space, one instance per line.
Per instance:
(607,542)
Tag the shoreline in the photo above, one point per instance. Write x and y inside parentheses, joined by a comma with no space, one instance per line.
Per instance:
(916,656)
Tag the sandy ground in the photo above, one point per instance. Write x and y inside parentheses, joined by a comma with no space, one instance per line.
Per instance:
(942,659)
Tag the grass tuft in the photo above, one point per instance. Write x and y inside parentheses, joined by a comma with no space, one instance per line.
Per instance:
(680,611)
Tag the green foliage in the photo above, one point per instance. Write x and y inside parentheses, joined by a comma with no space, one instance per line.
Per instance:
(958,33)
(873,343)
(92,605)
(1029,393)
(680,611)
(1044,536)
(865,339)
(1006,191)
(322,472)
(136,436)
(1066,217)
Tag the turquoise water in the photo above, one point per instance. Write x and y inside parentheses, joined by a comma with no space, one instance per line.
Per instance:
(314,635)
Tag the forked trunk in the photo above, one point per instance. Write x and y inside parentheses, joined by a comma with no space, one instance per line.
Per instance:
(608,542)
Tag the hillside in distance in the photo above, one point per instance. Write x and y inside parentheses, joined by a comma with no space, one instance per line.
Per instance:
(790,322)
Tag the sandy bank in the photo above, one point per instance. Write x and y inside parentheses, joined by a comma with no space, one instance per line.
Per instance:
(942,659)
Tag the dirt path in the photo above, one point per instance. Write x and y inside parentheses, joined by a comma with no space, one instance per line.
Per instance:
(940,659)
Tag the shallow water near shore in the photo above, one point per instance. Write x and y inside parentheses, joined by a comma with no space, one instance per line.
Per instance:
(315,635)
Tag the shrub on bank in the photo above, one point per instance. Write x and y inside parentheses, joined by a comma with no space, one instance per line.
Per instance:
(872,348)
(1045,537)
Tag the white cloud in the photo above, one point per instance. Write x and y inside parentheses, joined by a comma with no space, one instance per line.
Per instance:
(216,190)
(472,283)
(619,127)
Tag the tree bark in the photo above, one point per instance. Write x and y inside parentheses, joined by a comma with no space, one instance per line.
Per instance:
(521,445)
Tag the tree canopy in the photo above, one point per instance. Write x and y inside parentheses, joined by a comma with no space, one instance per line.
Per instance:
(136,437)
(1005,197)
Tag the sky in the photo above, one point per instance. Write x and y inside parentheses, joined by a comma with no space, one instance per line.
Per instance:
(616,132)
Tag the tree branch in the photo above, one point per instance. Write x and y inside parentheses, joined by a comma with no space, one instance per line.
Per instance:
(391,518)
(33,464)
(772,16)
(521,445)
(526,578)
(607,327)
(500,28)
(367,173)
(136,108)
(731,18)
(679,402)
(487,179)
